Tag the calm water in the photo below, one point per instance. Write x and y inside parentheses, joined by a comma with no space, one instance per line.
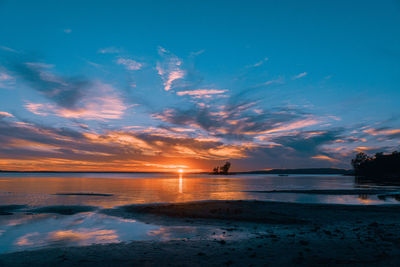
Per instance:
(35,189)
(22,230)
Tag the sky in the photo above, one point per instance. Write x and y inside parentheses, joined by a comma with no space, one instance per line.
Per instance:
(166,85)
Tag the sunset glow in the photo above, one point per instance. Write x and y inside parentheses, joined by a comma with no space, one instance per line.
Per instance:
(90,94)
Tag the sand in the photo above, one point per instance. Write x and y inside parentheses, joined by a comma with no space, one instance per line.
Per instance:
(9,209)
(333,191)
(285,234)
(61,209)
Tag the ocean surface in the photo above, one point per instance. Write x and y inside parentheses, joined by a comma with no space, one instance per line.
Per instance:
(21,230)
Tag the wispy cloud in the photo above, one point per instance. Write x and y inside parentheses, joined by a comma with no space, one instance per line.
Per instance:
(65,91)
(284,127)
(8,49)
(300,75)
(6,114)
(237,121)
(197,53)
(170,69)
(103,104)
(324,157)
(39,109)
(73,97)
(109,50)
(280,80)
(258,64)
(6,80)
(364,148)
(129,64)
(383,134)
(382,131)
(201,92)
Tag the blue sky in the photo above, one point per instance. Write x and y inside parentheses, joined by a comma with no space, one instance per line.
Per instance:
(160,85)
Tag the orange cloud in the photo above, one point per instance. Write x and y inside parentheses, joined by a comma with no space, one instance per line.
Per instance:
(324,157)
(295,125)
(282,127)
(382,132)
(364,148)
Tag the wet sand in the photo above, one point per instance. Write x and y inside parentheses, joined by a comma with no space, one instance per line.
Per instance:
(284,234)
(333,191)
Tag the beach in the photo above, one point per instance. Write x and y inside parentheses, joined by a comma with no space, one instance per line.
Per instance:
(285,234)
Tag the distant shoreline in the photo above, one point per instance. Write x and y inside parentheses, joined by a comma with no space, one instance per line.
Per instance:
(273,171)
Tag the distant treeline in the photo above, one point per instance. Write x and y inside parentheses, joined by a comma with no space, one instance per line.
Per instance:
(379,166)
(303,171)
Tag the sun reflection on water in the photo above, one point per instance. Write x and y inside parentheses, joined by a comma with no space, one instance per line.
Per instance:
(180,183)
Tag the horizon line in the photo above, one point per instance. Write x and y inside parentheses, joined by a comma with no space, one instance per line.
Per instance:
(233,172)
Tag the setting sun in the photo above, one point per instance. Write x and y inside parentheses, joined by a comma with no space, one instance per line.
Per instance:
(180,171)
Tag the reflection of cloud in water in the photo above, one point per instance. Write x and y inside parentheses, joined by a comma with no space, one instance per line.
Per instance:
(75,230)
(27,219)
(190,232)
(64,237)
(76,222)
(83,235)
(24,240)
(125,220)
(177,231)
(162,233)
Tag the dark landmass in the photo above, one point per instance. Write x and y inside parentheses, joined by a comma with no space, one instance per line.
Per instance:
(64,210)
(302,171)
(389,195)
(8,209)
(379,167)
(258,211)
(383,192)
(281,234)
(250,211)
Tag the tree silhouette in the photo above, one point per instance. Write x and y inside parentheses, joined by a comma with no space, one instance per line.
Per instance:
(381,165)
(216,170)
(223,169)
(359,160)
